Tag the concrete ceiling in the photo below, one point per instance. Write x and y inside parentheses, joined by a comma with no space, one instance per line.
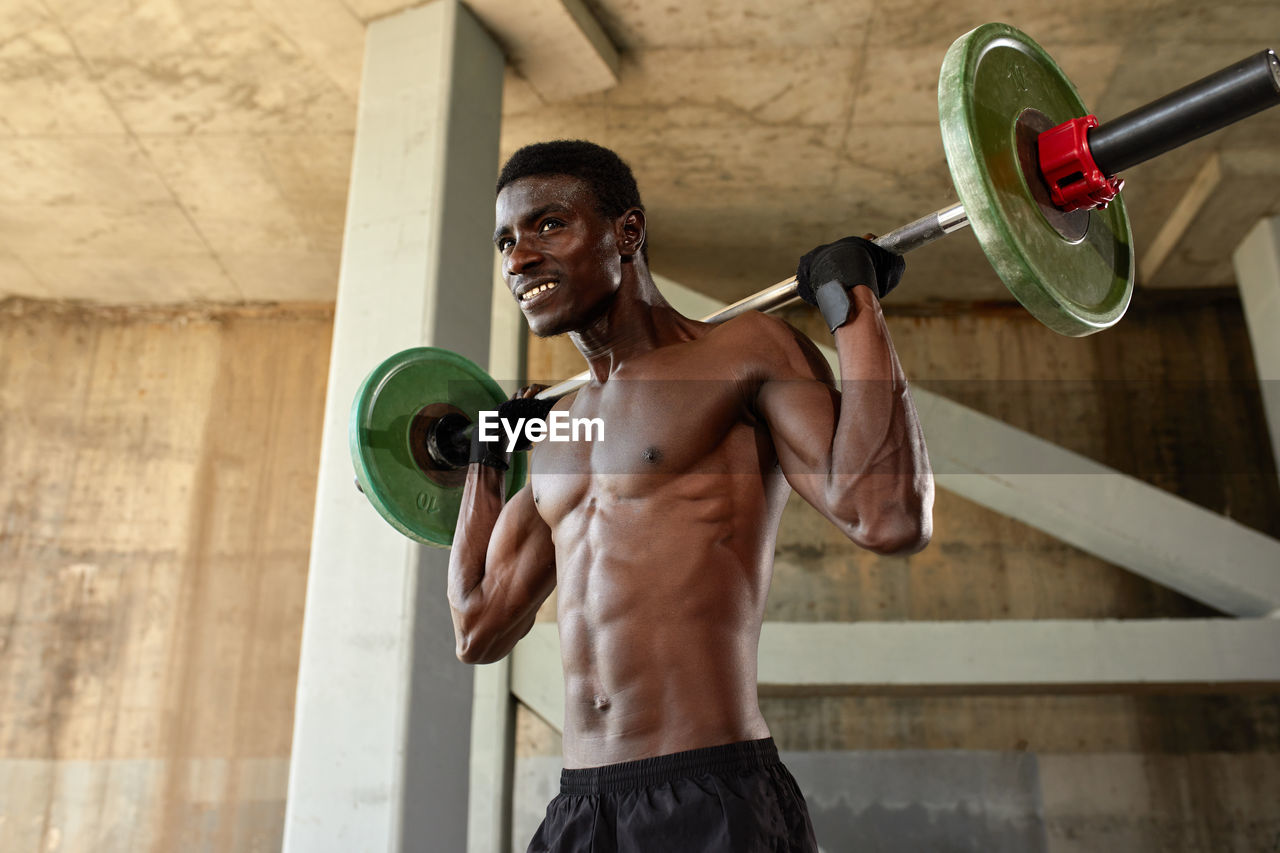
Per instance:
(172,150)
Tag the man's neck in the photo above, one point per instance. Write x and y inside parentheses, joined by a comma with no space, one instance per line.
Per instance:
(638,320)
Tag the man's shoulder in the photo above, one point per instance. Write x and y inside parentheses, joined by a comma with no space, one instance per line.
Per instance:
(753,326)
(777,347)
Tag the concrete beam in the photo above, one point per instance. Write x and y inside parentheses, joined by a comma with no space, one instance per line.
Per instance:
(1234,188)
(537,679)
(1001,657)
(1257,265)
(1121,519)
(1179,220)
(556,45)
(1118,518)
(1040,656)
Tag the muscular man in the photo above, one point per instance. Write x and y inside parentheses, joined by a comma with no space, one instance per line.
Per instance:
(661,534)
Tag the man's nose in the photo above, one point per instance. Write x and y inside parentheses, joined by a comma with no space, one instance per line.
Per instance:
(523,256)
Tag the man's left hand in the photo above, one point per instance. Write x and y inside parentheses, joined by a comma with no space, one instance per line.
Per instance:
(827,272)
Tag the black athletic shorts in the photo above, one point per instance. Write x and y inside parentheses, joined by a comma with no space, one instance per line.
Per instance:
(724,799)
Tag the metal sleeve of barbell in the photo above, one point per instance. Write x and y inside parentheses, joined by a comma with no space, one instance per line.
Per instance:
(911,236)
(1209,104)
(924,230)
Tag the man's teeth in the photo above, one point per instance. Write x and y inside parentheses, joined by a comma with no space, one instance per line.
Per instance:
(534,291)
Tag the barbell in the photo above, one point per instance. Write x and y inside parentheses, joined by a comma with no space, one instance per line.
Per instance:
(1035,174)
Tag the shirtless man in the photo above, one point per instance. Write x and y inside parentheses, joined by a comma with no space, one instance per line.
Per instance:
(661,535)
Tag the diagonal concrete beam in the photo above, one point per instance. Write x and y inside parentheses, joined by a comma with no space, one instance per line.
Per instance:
(1234,188)
(971,658)
(1111,515)
(1118,518)
(537,678)
(1178,221)
(1257,265)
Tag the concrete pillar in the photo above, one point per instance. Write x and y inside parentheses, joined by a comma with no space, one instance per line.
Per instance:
(383,719)
(493,717)
(1257,265)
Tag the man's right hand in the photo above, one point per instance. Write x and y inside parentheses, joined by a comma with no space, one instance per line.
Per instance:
(523,405)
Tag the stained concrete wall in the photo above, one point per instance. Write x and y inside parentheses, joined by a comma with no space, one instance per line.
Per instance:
(159,474)
(1169,397)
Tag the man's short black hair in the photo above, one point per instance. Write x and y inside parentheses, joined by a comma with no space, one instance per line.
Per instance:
(602,170)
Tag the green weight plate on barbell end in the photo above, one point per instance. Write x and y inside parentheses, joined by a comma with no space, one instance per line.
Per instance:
(997,90)
(390,417)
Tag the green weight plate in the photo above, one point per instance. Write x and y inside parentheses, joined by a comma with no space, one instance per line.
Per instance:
(997,90)
(392,412)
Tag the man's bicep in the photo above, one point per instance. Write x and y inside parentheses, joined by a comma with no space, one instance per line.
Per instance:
(801,414)
(800,405)
(494,596)
(521,561)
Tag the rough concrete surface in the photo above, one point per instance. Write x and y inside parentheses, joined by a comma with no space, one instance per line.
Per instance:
(154,527)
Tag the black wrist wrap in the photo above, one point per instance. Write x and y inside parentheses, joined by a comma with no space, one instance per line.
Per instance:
(527,408)
(834,303)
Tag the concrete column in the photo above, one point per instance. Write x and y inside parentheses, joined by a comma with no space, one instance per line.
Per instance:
(1257,264)
(493,719)
(383,720)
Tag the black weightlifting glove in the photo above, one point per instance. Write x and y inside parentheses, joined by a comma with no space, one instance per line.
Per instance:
(494,453)
(523,407)
(826,274)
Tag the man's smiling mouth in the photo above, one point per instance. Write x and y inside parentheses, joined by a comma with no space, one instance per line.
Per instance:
(534,291)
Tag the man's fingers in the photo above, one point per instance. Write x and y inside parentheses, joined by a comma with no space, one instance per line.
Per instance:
(528,391)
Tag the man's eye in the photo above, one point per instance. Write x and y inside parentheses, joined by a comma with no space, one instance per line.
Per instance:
(548,224)
(505,243)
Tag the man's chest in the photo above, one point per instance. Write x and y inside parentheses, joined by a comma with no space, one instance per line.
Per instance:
(632,438)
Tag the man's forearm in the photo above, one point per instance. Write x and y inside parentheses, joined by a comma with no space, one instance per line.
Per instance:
(880,472)
(482,502)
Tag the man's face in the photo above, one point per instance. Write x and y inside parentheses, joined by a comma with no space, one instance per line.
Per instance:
(559,254)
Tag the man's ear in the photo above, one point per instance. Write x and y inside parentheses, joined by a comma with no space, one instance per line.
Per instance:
(630,233)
